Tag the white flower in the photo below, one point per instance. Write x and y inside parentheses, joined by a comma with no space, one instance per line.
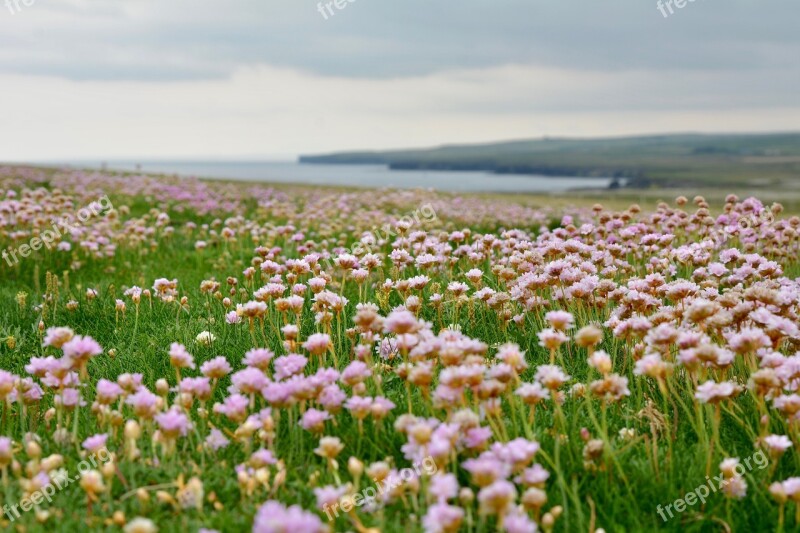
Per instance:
(205,338)
(140,525)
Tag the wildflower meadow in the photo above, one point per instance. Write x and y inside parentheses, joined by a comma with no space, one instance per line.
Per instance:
(215,356)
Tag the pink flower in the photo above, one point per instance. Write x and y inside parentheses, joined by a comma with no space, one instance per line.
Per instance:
(249,381)
(289,365)
(443,487)
(234,407)
(560,320)
(173,423)
(318,343)
(144,403)
(777,444)
(551,339)
(381,407)
(359,406)
(486,469)
(356,372)
(328,496)
(442,518)
(108,392)
(199,387)
(68,398)
(314,420)
(517,521)
(7,380)
(497,497)
(511,354)
(57,337)
(477,437)
(39,366)
(216,440)
(179,357)
(332,398)
(80,349)
(551,376)
(216,368)
(95,443)
(274,517)
(400,321)
(711,392)
(258,358)
(262,458)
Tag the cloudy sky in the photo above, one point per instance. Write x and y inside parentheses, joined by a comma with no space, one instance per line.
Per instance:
(84,79)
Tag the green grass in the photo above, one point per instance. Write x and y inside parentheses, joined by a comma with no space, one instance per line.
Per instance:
(622,496)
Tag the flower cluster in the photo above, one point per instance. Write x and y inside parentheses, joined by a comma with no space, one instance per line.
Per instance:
(280,364)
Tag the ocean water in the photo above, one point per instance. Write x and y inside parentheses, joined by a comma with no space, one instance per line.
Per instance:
(355,175)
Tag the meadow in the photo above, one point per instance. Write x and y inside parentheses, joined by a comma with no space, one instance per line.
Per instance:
(183,355)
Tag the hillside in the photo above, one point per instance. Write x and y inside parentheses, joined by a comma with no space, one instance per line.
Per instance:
(659,160)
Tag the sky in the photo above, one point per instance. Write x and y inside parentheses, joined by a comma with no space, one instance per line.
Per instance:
(253,79)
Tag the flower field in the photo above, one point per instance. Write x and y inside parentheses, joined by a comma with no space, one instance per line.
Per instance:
(183,355)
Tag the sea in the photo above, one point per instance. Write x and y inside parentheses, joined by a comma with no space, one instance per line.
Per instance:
(371,176)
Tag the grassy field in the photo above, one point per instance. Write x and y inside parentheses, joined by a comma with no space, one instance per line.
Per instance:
(422,329)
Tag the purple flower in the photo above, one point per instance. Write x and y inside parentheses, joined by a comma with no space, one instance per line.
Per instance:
(289,365)
(442,518)
(381,407)
(216,368)
(318,343)
(262,458)
(359,406)
(130,382)
(332,398)
(39,366)
(144,403)
(173,423)
(80,349)
(258,358)
(107,391)
(6,453)
(356,372)
(7,380)
(278,394)
(443,487)
(274,517)
(328,496)
(179,356)
(69,398)
(216,440)
(95,443)
(199,387)
(249,381)
(518,522)
(477,437)
(234,407)
(56,337)
(314,420)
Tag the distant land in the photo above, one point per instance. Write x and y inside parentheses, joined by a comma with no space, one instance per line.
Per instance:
(675,160)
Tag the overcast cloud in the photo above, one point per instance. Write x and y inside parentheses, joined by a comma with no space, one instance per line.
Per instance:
(259,78)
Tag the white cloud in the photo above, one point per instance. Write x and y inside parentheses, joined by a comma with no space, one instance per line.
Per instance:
(262,111)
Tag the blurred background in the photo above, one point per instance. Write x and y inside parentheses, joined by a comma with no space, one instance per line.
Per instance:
(619,97)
